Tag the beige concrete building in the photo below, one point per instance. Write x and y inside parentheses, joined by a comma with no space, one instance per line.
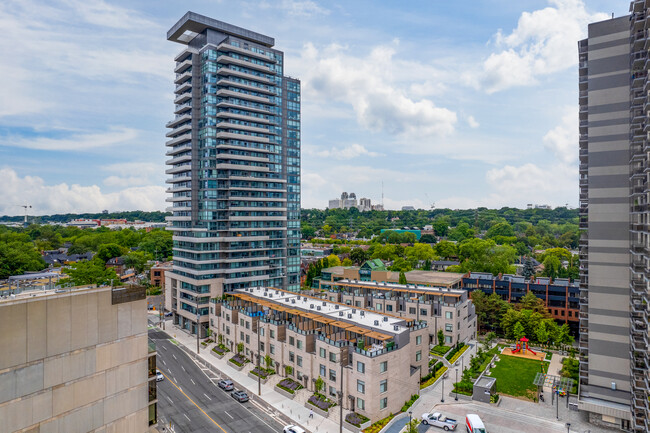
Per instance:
(375,359)
(449,310)
(76,361)
(448,280)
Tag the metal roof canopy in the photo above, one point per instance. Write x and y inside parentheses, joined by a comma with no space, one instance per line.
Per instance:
(33,276)
(542,379)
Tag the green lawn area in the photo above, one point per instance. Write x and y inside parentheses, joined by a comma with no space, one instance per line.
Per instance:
(515,376)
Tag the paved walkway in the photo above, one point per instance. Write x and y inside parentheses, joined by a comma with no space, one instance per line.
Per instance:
(294,409)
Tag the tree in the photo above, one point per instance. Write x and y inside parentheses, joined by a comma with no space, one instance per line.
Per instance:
(327,229)
(440,226)
(489,339)
(308,231)
(358,255)
(552,266)
(109,251)
(500,229)
(400,265)
(413,426)
(318,385)
(518,332)
(542,334)
(441,338)
(347,262)
(137,260)
(529,270)
(446,249)
(333,260)
(268,361)
(427,239)
(402,278)
(531,302)
(17,258)
(461,232)
(158,243)
(90,272)
(240,347)
(419,252)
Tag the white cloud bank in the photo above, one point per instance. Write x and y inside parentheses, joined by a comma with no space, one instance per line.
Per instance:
(63,198)
(544,42)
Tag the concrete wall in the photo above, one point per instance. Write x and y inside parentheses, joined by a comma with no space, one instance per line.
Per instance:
(73,362)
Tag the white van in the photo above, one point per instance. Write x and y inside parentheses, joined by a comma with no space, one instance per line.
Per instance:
(473,424)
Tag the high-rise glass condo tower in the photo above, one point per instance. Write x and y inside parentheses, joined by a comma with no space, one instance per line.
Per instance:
(614,248)
(234,166)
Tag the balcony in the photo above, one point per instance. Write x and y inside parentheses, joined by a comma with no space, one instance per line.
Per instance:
(226,60)
(179,139)
(183,66)
(233,49)
(184,86)
(178,120)
(183,97)
(183,78)
(232,72)
(179,149)
(183,107)
(180,129)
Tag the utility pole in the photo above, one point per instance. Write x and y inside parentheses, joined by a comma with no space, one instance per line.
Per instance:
(198,329)
(259,371)
(442,397)
(341,398)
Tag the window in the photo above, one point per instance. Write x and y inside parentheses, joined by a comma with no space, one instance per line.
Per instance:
(248,325)
(291,357)
(299,361)
(361,386)
(378,307)
(272,349)
(292,341)
(299,344)
(389,308)
(241,335)
(271,333)
(361,367)
(383,386)
(411,310)
(262,347)
(323,352)
(418,340)
(361,404)
(449,314)
(357,304)
(261,332)
(241,322)
(448,339)
(449,327)
(323,370)
(332,391)
(248,339)
(418,355)
(383,403)
(423,312)
(332,357)
(332,375)
(383,367)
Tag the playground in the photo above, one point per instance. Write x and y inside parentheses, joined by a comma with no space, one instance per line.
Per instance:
(522,350)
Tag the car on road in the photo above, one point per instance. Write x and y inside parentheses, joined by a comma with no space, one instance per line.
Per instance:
(159,376)
(240,396)
(293,429)
(439,420)
(226,385)
(169,314)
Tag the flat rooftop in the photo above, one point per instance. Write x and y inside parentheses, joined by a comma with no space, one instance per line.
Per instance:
(382,323)
(43,292)
(192,24)
(402,287)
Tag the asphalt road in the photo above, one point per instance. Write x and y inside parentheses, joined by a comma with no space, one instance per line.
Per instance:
(190,398)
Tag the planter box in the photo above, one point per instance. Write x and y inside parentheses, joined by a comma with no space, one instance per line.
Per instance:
(252,376)
(317,410)
(285,393)
(354,428)
(235,366)
(217,355)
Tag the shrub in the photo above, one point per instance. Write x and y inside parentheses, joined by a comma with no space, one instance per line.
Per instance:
(220,349)
(263,372)
(239,360)
(433,378)
(289,385)
(440,349)
(454,351)
(376,427)
(356,419)
(494,398)
(410,402)
(320,401)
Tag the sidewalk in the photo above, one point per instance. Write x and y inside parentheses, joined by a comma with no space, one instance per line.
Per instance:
(293,409)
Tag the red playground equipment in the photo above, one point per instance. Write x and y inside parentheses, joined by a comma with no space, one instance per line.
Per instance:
(523,346)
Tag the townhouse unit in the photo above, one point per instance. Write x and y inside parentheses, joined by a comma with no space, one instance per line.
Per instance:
(374,359)
(449,310)
(560,295)
(76,360)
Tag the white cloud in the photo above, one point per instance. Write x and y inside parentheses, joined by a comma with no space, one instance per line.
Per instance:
(348,152)
(472,122)
(303,8)
(563,139)
(544,42)
(100,13)
(370,85)
(131,174)
(63,198)
(79,142)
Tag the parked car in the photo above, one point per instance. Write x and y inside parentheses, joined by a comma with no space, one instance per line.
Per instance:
(439,420)
(293,429)
(169,314)
(226,385)
(473,424)
(159,376)
(240,396)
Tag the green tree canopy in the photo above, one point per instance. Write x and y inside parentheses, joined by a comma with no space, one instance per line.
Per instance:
(90,272)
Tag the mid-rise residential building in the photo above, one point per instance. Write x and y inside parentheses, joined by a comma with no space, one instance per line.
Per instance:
(234,166)
(375,360)
(76,361)
(449,310)
(613,100)
(560,295)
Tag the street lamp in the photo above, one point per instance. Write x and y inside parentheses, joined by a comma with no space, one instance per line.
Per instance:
(568,425)
(410,418)
(442,397)
(198,328)
(456,386)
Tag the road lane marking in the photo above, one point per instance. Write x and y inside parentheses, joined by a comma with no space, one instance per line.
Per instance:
(182,367)
(253,413)
(174,379)
(174,356)
(188,418)
(163,361)
(193,383)
(207,396)
(170,400)
(199,408)
(228,414)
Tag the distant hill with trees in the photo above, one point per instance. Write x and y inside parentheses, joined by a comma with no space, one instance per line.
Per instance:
(155,216)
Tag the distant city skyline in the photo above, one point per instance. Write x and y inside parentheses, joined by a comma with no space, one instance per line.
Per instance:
(463,108)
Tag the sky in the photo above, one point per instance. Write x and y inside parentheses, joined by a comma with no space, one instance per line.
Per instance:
(446,104)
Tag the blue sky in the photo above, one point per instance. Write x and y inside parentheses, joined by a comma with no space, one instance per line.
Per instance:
(463,105)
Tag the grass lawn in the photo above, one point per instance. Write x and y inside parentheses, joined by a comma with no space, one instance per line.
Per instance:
(515,376)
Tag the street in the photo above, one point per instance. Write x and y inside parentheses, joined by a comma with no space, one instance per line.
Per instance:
(190,399)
